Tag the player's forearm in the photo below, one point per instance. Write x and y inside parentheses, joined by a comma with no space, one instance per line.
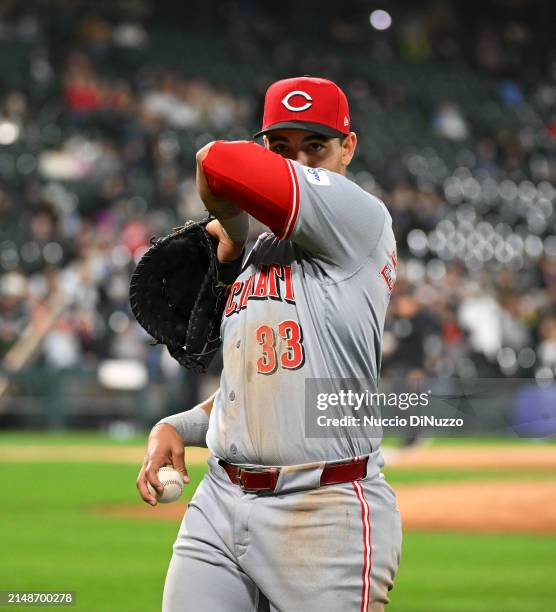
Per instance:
(234,220)
(222,209)
(192,425)
(250,177)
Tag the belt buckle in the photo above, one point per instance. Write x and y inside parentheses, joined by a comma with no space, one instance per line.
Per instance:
(271,470)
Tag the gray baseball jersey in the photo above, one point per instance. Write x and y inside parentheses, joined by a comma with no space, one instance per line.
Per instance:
(312,306)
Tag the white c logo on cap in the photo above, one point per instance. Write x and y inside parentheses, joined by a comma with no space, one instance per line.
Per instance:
(297,109)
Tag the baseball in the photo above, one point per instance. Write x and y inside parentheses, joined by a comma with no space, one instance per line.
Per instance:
(173,485)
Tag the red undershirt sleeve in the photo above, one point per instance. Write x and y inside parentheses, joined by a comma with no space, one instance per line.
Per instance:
(258,181)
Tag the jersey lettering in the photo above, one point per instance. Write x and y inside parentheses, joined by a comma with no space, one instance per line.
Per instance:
(275,272)
(261,288)
(388,271)
(272,281)
(289,285)
(230,304)
(247,289)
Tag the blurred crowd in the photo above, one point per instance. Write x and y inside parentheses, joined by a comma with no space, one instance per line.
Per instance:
(97,143)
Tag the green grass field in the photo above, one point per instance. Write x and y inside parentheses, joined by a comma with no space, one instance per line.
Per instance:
(54,537)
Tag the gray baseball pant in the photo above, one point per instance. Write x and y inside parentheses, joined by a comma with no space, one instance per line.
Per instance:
(323,549)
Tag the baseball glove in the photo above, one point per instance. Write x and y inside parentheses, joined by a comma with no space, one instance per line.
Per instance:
(178,293)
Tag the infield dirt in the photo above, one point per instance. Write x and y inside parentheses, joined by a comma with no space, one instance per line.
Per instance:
(478,506)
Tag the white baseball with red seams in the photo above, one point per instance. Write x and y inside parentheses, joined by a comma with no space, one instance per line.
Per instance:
(173,485)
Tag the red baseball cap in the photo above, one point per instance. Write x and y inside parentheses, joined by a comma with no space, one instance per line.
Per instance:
(306,103)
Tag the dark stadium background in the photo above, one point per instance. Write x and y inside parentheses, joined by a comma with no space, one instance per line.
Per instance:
(102,108)
(103,105)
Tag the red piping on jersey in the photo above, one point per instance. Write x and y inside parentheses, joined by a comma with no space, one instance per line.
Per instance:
(288,228)
(367,548)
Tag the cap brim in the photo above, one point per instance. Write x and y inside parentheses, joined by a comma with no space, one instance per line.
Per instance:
(302,125)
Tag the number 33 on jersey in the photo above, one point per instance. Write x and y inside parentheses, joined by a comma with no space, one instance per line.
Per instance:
(271,282)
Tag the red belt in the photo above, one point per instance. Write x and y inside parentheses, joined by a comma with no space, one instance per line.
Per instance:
(253,480)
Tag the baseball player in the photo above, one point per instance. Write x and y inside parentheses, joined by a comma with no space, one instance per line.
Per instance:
(282,521)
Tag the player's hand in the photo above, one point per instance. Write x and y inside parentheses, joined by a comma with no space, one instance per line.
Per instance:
(227,250)
(164,447)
